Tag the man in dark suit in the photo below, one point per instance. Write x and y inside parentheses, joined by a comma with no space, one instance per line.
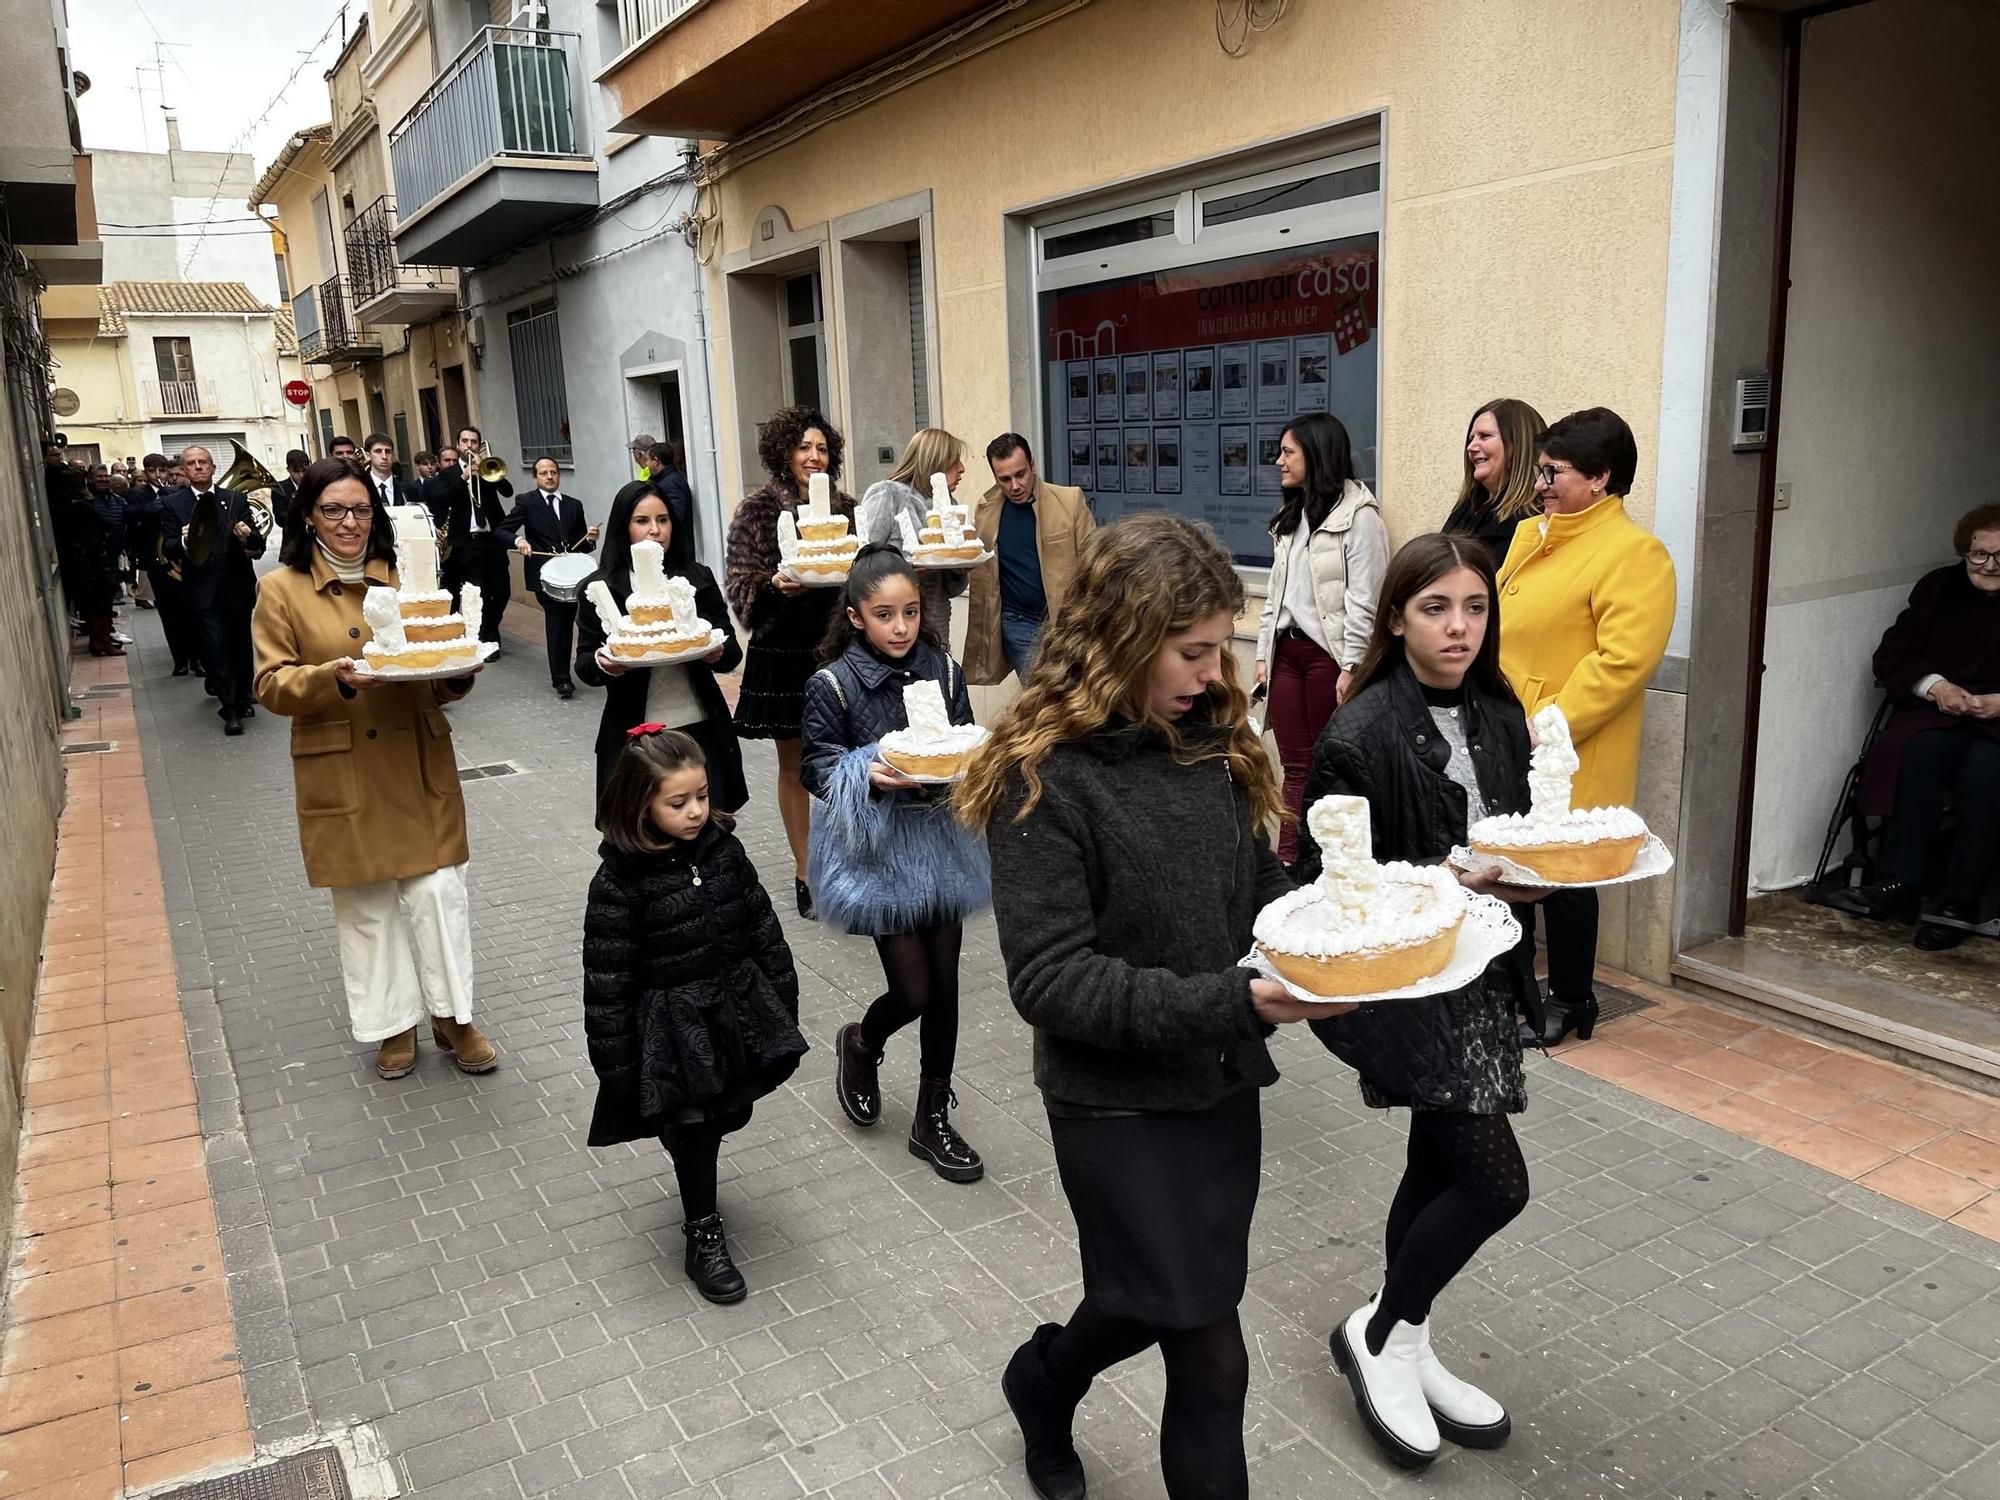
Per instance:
(542,521)
(468,512)
(389,488)
(296,463)
(208,532)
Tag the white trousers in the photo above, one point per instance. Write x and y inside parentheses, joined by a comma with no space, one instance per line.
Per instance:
(405,952)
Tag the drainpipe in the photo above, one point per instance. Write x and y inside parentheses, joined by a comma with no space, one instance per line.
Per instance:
(707,389)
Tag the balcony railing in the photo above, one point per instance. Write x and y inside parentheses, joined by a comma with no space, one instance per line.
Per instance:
(328,329)
(510,93)
(182,398)
(640,19)
(373,267)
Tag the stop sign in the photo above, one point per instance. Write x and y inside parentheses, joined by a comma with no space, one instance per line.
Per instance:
(298,393)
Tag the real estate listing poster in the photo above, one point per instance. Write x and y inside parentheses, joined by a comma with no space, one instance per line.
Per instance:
(1106,401)
(1198,385)
(1236,380)
(1110,460)
(1274,378)
(1269,435)
(1079,390)
(1138,462)
(1198,460)
(1166,385)
(1166,460)
(1235,458)
(1082,460)
(1311,359)
(1138,388)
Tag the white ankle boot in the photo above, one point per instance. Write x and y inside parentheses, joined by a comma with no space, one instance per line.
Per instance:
(1387,1388)
(1463,1412)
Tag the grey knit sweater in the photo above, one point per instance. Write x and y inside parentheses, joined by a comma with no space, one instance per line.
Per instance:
(1124,900)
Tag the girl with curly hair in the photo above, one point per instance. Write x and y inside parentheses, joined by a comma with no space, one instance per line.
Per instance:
(1129,755)
(784,619)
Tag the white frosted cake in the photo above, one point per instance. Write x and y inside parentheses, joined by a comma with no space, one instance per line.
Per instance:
(818,544)
(660,617)
(932,745)
(1560,843)
(412,626)
(1363,927)
(947,535)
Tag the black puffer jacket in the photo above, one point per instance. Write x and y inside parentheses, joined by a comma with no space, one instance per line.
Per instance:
(1457,1051)
(690,1000)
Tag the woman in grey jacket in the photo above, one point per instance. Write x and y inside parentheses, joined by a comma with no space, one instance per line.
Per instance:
(907,492)
(1128,754)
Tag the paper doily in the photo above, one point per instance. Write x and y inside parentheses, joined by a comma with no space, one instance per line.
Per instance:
(431,674)
(1489,930)
(1653,858)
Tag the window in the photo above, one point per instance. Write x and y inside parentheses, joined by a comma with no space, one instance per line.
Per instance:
(540,398)
(1180,336)
(175,358)
(805,340)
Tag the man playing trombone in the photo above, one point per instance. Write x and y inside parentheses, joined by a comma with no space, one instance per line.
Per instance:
(546,523)
(464,501)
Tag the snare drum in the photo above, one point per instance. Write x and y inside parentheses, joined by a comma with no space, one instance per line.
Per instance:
(562,577)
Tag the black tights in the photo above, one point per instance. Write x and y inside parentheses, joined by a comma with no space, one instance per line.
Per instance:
(695,1150)
(1464,1183)
(1208,1377)
(922,970)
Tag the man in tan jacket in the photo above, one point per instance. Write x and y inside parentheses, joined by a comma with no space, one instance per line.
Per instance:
(1036,532)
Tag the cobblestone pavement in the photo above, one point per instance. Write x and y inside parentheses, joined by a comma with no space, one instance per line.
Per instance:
(1679,1313)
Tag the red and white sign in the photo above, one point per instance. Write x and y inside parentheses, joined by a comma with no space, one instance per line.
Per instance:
(298,393)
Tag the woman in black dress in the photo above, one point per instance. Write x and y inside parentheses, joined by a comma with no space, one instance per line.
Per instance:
(684,697)
(1127,804)
(1434,739)
(785,619)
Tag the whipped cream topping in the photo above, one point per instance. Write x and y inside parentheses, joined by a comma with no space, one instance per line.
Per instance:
(1552,768)
(383,615)
(930,730)
(378,647)
(1358,904)
(412,596)
(1552,764)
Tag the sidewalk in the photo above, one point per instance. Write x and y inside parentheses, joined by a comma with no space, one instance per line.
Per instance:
(1683,1310)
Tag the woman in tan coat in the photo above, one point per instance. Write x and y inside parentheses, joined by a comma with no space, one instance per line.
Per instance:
(381,817)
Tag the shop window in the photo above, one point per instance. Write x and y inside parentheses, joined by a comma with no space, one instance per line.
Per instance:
(1173,357)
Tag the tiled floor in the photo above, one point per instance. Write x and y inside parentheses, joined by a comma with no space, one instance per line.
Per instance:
(119,1366)
(1921,1142)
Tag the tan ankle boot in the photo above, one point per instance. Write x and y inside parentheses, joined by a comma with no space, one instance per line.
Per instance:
(398,1055)
(466,1044)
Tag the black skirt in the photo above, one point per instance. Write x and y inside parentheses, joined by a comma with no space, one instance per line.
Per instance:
(771,702)
(1163,1203)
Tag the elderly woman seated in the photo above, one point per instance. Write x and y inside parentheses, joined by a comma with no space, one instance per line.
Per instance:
(1940,662)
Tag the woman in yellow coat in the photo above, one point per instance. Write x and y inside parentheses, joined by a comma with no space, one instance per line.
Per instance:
(375,782)
(1586,605)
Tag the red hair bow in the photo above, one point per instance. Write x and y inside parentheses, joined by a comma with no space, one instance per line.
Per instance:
(641,729)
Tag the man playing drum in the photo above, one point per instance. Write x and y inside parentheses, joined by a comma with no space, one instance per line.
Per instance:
(552,537)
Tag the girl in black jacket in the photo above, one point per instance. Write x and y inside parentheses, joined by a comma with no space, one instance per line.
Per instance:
(1434,739)
(690,1000)
(1128,805)
(685,696)
(887,858)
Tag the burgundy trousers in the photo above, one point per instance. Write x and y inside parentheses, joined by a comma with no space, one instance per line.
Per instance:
(1302,682)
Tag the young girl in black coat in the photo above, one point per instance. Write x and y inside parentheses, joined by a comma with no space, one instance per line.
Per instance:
(887,857)
(1434,738)
(690,1000)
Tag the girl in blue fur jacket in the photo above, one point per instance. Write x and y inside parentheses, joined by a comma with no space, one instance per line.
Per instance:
(886,857)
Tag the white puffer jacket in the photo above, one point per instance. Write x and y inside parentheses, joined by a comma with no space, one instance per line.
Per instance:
(1349,554)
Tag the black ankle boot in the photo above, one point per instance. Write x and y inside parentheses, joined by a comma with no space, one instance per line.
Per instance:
(708,1264)
(805,898)
(1936,937)
(1557,1020)
(855,1079)
(1047,1414)
(933,1139)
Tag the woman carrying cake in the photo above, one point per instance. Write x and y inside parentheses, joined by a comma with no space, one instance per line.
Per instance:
(1434,739)
(784,618)
(1129,751)
(907,493)
(381,817)
(1330,549)
(684,697)
(1586,605)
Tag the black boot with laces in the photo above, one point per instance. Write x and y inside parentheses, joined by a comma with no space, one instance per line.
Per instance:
(933,1139)
(708,1264)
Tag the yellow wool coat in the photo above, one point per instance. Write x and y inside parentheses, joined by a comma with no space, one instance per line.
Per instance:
(1585,610)
(374,777)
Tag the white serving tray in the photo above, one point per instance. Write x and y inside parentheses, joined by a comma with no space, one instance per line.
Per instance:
(1489,930)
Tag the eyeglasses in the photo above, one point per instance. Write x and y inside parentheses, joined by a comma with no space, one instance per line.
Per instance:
(1982,559)
(1546,473)
(334,514)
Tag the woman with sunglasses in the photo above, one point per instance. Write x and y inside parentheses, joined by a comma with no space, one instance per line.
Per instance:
(1940,662)
(1586,604)
(381,817)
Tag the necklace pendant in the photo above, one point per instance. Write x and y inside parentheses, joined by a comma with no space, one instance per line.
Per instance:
(697,877)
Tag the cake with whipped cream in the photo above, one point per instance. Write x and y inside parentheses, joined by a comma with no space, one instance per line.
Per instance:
(1363,927)
(932,745)
(946,537)
(818,544)
(413,627)
(661,618)
(1562,844)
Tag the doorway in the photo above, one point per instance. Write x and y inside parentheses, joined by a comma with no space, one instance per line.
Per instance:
(427,409)
(457,408)
(656,402)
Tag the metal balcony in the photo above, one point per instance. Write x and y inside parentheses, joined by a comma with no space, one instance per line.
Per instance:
(494,152)
(329,332)
(183,398)
(385,290)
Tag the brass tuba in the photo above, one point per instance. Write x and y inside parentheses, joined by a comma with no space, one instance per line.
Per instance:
(255,483)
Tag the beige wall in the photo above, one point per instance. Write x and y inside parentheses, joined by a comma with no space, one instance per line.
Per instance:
(1524,249)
